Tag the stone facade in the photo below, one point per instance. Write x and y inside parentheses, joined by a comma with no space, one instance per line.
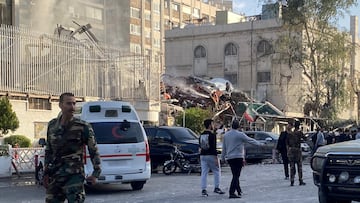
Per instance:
(242,53)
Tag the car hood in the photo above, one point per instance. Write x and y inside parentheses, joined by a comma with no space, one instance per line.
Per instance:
(347,147)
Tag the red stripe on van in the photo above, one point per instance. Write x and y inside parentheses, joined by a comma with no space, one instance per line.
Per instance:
(117,155)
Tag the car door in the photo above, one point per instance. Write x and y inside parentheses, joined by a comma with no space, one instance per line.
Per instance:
(251,151)
(164,145)
(266,150)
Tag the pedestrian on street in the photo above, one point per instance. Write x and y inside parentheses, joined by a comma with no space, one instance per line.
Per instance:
(281,148)
(208,158)
(320,139)
(64,165)
(293,143)
(357,136)
(233,153)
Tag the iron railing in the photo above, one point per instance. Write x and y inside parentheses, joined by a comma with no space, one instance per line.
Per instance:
(35,63)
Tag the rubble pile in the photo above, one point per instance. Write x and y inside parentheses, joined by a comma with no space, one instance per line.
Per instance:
(216,94)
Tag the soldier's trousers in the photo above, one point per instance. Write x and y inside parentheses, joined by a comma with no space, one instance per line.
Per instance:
(295,160)
(69,187)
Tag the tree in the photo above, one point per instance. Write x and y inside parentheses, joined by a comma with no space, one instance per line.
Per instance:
(194,118)
(8,119)
(21,140)
(322,52)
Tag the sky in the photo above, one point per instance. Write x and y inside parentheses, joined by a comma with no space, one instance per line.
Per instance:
(253,7)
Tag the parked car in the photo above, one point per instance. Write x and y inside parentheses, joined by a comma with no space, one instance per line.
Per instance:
(162,139)
(256,153)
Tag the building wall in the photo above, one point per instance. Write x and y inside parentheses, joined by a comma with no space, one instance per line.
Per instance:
(32,123)
(279,90)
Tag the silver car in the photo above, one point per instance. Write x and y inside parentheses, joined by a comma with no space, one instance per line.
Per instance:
(253,152)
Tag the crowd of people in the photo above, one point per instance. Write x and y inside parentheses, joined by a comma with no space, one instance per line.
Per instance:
(288,146)
(63,183)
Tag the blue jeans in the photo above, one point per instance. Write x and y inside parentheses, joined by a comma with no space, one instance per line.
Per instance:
(209,162)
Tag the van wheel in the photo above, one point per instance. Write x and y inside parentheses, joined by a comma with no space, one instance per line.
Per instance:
(39,173)
(138,185)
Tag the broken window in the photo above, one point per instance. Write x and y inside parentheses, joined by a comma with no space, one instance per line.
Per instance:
(230,49)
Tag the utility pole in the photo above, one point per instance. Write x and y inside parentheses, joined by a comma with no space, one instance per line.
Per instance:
(358,106)
(251,59)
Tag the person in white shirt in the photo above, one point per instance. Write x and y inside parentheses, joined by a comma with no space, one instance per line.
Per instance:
(320,139)
(357,136)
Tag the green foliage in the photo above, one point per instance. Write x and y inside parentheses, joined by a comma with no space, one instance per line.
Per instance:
(340,124)
(314,45)
(194,118)
(21,140)
(8,119)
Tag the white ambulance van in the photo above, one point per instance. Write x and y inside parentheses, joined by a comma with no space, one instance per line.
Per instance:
(121,140)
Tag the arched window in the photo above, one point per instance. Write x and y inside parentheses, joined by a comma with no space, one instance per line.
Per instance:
(264,48)
(230,50)
(200,52)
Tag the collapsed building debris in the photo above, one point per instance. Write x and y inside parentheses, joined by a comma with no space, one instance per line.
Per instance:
(216,94)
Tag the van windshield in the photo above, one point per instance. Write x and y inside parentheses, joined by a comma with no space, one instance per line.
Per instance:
(117,132)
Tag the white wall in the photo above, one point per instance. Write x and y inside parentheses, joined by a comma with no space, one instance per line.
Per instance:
(29,118)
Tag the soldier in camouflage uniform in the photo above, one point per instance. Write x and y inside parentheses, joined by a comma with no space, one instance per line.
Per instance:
(293,144)
(64,165)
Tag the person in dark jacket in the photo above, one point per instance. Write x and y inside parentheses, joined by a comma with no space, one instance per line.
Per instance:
(208,158)
(281,148)
(293,143)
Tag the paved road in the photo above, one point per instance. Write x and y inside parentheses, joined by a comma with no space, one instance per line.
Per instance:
(261,183)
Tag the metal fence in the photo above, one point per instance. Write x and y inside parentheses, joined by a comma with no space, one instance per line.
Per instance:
(24,159)
(38,63)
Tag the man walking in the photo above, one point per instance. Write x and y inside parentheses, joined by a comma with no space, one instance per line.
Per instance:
(320,139)
(293,143)
(233,153)
(208,158)
(64,167)
(281,148)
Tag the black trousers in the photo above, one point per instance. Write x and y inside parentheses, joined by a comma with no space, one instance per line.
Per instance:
(235,165)
(285,160)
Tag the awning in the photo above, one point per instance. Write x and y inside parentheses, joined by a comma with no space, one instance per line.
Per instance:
(260,109)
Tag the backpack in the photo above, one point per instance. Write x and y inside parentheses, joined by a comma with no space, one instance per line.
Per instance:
(204,141)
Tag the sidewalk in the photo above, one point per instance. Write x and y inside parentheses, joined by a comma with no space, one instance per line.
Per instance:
(23,180)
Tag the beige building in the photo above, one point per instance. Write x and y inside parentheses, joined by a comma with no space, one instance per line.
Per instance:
(243,53)
(128,26)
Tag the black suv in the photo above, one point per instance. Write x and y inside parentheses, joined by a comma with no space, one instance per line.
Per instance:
(336,172)
(162,139)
